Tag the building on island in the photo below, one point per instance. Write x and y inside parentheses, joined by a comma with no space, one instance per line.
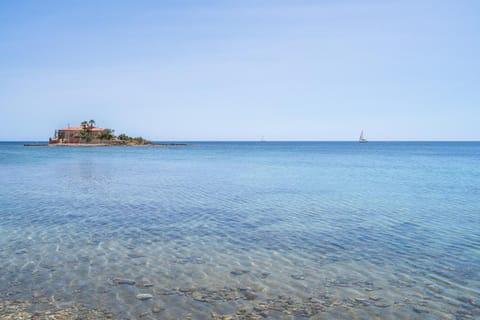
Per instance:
(87,134)
(76,134)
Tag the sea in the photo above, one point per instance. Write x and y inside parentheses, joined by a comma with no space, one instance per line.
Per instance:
(241,230)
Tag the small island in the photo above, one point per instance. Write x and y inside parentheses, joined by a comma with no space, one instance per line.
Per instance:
(87,134)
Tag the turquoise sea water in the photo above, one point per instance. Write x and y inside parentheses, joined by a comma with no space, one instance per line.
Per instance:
(278,230)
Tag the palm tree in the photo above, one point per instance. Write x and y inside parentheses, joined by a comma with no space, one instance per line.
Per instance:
(91,123)
(84,133)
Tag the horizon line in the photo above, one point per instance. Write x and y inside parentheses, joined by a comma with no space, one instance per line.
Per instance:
(283,140)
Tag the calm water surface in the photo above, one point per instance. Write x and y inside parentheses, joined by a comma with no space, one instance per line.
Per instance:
(244,230)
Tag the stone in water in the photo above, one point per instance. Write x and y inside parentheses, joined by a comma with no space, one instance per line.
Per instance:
(144,296)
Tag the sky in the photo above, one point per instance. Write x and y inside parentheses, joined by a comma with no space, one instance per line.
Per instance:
(242,70)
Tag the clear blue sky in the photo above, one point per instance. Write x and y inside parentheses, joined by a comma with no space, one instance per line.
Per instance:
(229,70)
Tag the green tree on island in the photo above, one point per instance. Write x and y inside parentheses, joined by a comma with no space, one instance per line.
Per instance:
(107,134)
(86,134)
(123,137)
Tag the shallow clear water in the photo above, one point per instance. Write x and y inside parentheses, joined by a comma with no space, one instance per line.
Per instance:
(260,230)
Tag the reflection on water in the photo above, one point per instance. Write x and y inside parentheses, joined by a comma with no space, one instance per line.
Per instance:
(241,231)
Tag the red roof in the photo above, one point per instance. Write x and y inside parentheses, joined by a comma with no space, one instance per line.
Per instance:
(81,129)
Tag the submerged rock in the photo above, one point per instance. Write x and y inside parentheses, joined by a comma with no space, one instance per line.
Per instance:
(156,308)
(144,296)
(198,296)
(124,281)
(239,272)
(382,305)
(249,295)
(298,276)
(418,310)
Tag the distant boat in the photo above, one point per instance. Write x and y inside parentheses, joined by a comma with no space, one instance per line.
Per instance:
(362,138)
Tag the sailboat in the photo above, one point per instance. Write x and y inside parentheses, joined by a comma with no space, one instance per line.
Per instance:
(362,138)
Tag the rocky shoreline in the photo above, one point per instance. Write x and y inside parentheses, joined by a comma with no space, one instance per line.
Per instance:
(244,303)
(43,308)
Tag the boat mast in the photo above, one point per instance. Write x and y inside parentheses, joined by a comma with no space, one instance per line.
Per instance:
(362,138)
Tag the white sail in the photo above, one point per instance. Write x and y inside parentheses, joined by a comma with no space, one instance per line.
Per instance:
(362,138)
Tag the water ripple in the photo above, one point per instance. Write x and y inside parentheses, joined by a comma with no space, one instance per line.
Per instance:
(299,230)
